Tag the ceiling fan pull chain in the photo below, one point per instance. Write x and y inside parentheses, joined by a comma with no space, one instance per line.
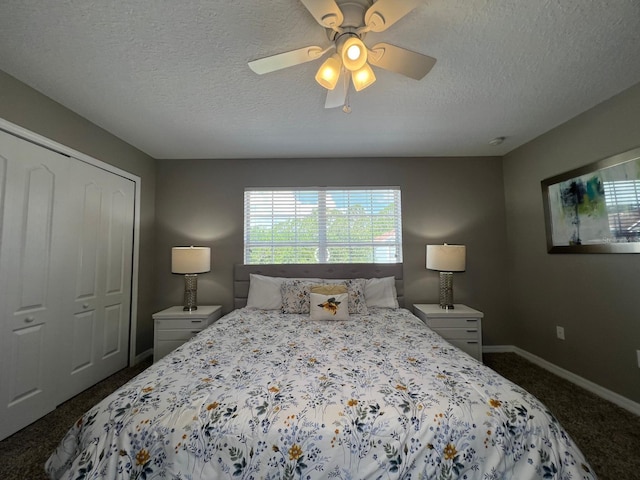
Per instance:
(346,108)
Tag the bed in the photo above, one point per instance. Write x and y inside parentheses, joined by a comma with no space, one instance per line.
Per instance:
(273,395)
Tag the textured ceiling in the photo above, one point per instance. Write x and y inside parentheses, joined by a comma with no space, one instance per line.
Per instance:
(171,77)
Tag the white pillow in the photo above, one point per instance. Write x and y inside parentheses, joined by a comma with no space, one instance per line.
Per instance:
(329,307)
(264,291)
(381,292)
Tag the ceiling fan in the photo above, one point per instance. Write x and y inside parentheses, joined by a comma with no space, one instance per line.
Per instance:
(347,22)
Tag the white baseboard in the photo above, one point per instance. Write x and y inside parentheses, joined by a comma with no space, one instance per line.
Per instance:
(142,356)
(613,397)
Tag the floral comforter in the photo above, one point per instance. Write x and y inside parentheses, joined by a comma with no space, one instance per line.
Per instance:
(275,396)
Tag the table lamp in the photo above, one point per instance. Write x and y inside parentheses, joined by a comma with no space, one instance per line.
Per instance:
(446,259)
(190,261)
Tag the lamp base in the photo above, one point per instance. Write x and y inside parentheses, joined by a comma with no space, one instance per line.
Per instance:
(446,290)
(190,292)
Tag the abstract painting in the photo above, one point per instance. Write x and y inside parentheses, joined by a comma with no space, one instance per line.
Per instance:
(595,208)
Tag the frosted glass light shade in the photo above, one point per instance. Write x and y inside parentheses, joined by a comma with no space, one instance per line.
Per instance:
(446,258)
(363,77)
(354,54)
(190,260)
(329,72)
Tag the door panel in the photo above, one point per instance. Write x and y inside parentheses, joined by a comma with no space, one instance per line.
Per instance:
(31,246)
(118,240)
(35,241)
(103,205)
(89,241)
(84,325)
(115,292)
(26,356)
(113,326)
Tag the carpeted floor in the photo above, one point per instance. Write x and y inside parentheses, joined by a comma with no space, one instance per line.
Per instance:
(608,435)
(22,455)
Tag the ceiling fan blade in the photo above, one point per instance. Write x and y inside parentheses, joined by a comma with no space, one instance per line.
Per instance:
(384,13)
(326,12)
(338,96)
(400,60)
(286,59)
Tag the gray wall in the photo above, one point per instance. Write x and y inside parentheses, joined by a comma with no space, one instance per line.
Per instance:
(457,200)
(453,200)
(594,297)
(30,109)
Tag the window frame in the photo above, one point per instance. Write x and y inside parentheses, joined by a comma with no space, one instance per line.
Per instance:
(375,249)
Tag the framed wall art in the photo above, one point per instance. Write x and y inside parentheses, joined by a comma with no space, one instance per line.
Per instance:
(595,208)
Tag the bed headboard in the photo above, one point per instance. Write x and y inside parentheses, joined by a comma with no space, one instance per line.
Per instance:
(326,270)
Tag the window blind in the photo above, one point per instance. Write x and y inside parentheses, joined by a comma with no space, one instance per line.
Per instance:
(322,225)
(622,198)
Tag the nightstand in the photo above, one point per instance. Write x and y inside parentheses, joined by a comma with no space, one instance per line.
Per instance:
(460,326)
(174,326)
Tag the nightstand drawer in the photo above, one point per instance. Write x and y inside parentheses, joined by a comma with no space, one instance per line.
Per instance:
(174,326)
(452,322)
(461,326)
(459,333)
(472,348)
(183,335)
(182,323)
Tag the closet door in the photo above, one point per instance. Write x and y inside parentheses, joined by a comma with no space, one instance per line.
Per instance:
(32,238)
(99,300)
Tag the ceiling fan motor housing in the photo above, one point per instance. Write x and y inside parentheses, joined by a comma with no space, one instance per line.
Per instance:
(353,11)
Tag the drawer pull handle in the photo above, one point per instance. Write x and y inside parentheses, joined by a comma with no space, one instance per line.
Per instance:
(472,319)
(85,305)
(472,343)
(29,319)
(195,331)
(472,331)
(196,321)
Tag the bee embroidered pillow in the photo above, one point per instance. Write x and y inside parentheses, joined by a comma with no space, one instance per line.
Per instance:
(329,307)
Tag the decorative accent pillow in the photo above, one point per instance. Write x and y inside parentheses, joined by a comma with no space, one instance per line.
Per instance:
(295,296)
(355,289)
(329,307)
(357,298)
(264,291)
(381,292)
(330,289)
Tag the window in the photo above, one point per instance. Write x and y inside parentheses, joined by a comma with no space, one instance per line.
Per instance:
(622,198)
(354,225)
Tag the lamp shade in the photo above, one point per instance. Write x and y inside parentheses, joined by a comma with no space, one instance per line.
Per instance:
(190,260)
(329,72)
(446,258)
(363,77)
(354,54)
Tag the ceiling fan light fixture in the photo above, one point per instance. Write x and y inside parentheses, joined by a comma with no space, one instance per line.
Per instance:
(329,72)
(354,54)
(363,78)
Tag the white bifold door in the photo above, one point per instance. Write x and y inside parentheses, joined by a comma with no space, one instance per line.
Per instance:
(96,326)
(66,242)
